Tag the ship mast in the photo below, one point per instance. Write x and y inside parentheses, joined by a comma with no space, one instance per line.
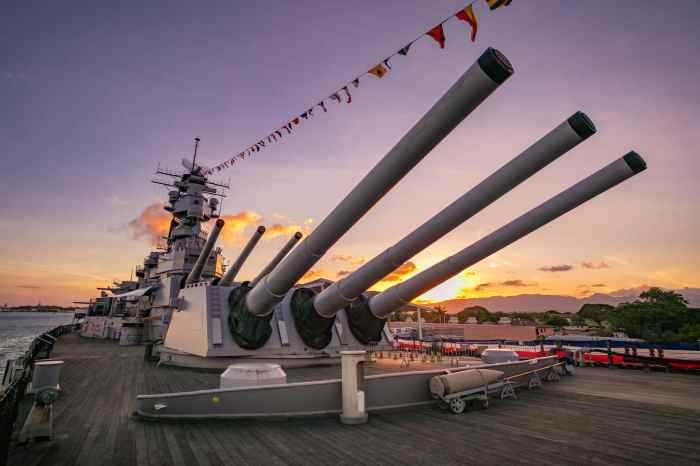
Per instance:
(194,157)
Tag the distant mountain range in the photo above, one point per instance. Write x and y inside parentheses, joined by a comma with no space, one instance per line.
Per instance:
(563,303)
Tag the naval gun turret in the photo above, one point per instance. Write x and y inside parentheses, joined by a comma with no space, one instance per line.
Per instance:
(471,89)
(367,316)
(314,318)
(274,318)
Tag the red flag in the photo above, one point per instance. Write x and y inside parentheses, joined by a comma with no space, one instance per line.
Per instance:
(468,15)
(296,121)
(438,34)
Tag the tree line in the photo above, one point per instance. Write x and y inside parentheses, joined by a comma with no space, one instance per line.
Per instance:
(656,316)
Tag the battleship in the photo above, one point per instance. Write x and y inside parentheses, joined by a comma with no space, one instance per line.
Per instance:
(192,312)
(211,358)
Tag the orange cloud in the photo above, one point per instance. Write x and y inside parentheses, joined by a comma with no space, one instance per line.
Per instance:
(153,223)
(398,274)
(273,231)
(556,268)
(423,301)
(313,274)
(278,229)
(507,283)
(234,230)
(235,226)
(468,292)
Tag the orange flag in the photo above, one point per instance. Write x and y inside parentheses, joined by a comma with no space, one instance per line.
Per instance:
(379,71)
(438,34)
(468,15)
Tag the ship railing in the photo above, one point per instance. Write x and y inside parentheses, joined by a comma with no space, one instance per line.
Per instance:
(18,374)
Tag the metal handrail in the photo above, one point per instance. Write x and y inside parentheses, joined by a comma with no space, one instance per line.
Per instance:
(16,390)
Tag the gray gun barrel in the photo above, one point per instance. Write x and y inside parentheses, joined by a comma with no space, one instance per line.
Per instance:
(278,258)
(196,271)
(477,83)
(544,151)
(393,298)
(231,273)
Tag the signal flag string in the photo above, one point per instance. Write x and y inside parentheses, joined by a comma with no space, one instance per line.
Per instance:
(380,70)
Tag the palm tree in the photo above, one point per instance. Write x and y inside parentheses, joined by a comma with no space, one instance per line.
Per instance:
(442,313)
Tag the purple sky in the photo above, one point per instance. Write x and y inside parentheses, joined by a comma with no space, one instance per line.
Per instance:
(94,97)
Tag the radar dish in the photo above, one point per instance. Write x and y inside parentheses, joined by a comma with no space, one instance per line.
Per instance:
(188,165)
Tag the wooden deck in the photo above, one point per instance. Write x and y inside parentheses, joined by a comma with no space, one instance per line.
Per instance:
(601,416)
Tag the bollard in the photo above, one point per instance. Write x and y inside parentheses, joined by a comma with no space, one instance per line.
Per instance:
(352,381)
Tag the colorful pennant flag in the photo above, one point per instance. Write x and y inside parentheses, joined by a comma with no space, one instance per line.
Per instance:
(493,4)
(347,94)
(404,51)
(468,16)
(438,34)
(379,71)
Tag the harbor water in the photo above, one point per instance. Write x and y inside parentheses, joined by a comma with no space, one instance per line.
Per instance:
(18,329)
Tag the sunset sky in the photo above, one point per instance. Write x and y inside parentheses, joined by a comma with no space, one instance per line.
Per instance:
(94,97)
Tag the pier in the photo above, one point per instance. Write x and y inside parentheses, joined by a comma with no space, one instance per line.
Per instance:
(600,416)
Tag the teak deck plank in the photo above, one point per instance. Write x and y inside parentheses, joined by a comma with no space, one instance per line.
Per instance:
(601,416)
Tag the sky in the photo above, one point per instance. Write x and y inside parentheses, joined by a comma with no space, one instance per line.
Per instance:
(95,95)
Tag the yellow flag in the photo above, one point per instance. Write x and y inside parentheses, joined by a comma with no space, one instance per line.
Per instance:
(379,71)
